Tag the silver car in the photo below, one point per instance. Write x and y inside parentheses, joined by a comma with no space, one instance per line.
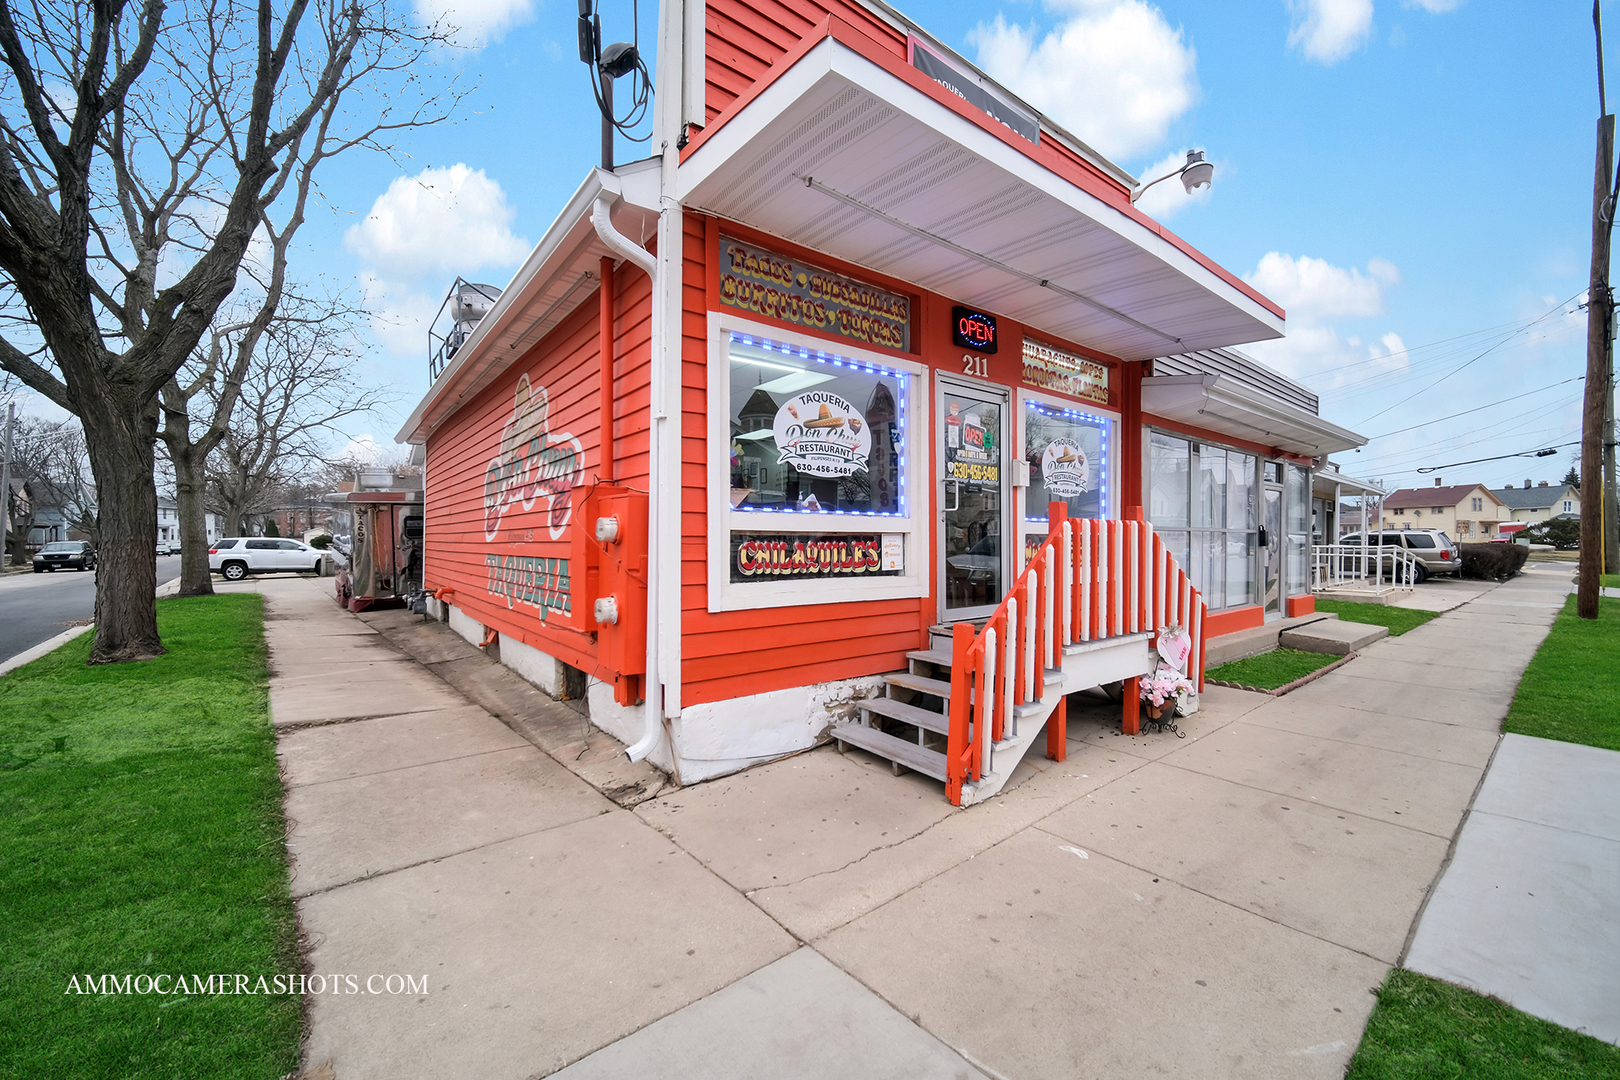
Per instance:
(1433,552)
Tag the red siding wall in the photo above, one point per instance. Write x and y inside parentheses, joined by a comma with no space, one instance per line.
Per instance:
(747,36)
(467,456)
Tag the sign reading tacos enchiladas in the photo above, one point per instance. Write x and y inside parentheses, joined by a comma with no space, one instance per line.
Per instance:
(752,279)
(756,557)
(1065,373)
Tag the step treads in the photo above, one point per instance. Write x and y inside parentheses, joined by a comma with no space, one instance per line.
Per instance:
(937,657)
(937,687)
(914,757)
(909,714)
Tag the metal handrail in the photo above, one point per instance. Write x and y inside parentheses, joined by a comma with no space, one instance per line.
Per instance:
(1362,567)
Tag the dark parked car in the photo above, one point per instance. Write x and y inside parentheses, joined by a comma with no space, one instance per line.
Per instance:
(65,555)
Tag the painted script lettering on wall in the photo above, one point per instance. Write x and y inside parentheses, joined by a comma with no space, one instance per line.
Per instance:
(756,557)
(1065,373)
(755,280)
(531,581)
(535,466)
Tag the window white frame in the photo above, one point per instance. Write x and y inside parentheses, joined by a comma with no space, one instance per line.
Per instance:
(725,595)
(1110,501)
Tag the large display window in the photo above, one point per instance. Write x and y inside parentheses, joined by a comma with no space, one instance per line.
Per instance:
(1202,502)
(1069,452)
(813,452)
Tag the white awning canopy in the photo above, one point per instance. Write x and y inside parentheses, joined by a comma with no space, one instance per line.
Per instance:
(843,155)
(1217,403)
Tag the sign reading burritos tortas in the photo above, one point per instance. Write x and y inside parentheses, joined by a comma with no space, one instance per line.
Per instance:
(756,557)
(821,434)
(1065,373)
(756,280)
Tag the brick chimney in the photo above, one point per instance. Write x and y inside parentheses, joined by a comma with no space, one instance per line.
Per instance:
(1437,481)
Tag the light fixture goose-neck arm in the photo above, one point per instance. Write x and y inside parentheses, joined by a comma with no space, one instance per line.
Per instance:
(1197,173)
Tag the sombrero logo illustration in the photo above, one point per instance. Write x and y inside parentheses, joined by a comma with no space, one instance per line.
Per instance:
(1064,469)
(821,434)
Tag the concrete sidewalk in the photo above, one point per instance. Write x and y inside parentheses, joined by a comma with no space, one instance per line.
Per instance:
(1218,905)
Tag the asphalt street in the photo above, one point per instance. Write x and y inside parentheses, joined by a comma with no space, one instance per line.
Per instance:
(36,607)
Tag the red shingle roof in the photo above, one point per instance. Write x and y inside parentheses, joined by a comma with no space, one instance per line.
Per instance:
(1434,496)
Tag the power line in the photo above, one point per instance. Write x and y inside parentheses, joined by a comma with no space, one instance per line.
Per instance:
(1465,412)
(1549,451)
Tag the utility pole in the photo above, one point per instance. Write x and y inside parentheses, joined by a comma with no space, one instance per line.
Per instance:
(1598,310)
(1599,315)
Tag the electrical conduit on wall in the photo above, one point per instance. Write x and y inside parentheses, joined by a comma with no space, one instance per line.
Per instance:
(652,711)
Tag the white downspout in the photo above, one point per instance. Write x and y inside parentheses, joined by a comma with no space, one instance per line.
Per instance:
(624,247)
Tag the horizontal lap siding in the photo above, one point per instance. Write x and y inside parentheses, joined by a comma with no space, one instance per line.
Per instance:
(460,453)
(745,38)
(729,654)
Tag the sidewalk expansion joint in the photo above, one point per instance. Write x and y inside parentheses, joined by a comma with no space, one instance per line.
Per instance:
(375,875)
(415,765)
(304,725)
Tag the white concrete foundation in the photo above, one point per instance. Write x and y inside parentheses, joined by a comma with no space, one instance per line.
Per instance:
(542,670)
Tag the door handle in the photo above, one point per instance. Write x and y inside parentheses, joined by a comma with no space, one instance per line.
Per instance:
(956,486)
(1264,539)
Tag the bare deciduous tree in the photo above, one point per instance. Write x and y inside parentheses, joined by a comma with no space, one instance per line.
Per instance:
(198,403)
(141,151)
(49,460)
(287,409)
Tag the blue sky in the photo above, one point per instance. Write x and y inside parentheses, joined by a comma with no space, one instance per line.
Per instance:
(1412,181)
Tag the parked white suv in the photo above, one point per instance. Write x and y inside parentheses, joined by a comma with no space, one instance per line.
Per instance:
(235,557)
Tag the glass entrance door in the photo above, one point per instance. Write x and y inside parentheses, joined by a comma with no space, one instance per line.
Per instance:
(1272,553)
(973,510)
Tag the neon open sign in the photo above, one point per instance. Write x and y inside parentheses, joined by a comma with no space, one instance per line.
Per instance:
(973,329)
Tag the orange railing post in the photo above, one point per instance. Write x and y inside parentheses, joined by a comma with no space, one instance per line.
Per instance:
(958,746)
(1131,718)
(1057,732)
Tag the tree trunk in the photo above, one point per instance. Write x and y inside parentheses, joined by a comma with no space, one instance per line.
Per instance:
(121,441)
(195,578)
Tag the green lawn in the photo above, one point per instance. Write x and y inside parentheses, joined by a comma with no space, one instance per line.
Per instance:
(1422,1029)
(1398,619)
(1279,667)
(1571,690)
(1611,581)
(140,816)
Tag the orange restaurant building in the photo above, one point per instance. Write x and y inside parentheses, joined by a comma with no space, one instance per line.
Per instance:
(768,432)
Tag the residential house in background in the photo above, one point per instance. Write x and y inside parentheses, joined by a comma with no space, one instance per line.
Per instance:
(1465,511)
(1540,503)
(168,522)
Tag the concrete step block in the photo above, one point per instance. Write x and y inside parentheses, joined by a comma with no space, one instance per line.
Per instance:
(1332,636)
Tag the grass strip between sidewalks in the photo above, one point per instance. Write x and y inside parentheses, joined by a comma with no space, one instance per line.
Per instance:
(1571,690)
(1423,1028)
(1398,619)
(140,813)
(1279,667)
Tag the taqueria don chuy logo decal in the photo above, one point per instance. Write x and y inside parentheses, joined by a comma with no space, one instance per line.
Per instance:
(1064,469)
(821,434)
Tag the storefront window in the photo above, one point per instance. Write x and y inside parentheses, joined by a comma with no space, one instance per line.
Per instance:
(813,432)
(1067,451)
(1201,500)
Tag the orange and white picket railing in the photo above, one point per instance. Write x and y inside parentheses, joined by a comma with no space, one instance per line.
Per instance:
(1090,580)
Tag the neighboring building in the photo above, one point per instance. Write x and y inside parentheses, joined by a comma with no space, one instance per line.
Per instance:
(168,522)
(1540,503)
(1464,511)
(300,522)
(883,331)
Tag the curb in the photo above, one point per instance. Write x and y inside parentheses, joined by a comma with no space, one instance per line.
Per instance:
(28,656)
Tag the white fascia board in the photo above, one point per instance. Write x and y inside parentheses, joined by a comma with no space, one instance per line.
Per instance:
(1186,397)
(499,319)
(832,58)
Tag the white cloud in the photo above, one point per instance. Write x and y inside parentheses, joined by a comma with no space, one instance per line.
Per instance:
(1112,71)
(1314,290)
(477,22)
(1329,30)
(422,232)
(1315,293)
(1434,7)
(1164,201)
(441,220)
